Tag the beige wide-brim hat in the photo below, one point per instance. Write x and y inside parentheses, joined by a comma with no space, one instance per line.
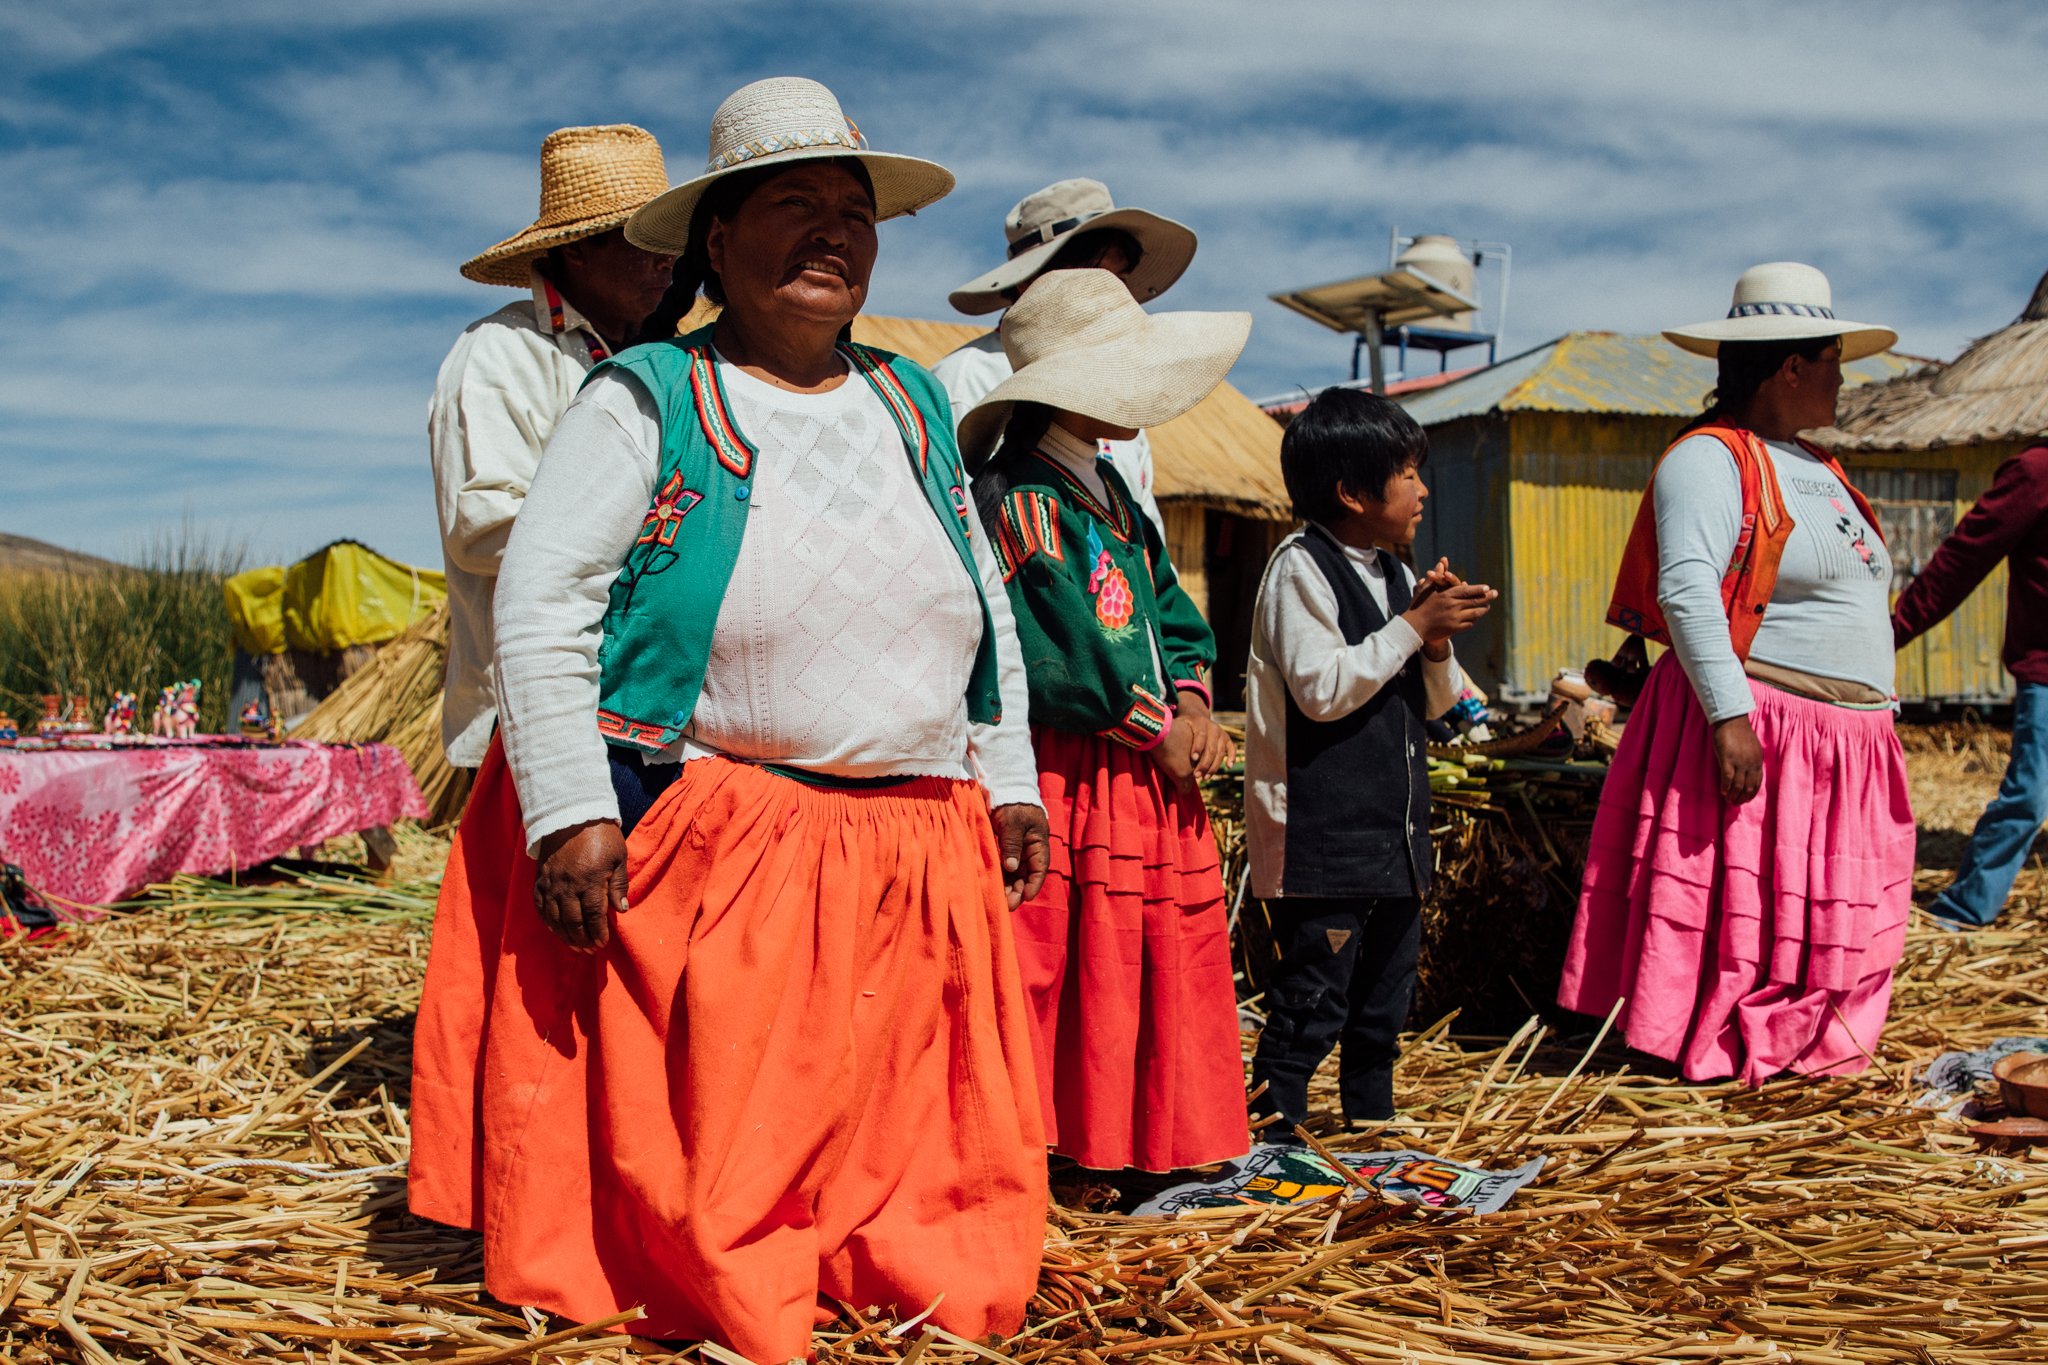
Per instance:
(776,122)
(1079,342)
(591,181)
(1782,301)
(1043,222)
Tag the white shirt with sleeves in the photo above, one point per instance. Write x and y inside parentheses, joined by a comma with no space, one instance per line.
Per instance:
(496,400)
(1298,650)
(844,644)
(972,372)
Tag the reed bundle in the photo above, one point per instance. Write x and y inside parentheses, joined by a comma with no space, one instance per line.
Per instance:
(203,1123)
(395,698)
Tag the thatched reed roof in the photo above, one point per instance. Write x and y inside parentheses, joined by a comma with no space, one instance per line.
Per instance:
(1997,390)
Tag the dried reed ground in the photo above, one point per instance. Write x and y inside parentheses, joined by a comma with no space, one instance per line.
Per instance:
(1822,1222)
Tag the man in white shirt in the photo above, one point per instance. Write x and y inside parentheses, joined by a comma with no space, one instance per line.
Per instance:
(1071,225)
(511,374)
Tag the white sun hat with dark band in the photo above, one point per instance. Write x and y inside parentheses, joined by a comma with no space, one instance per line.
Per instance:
(1045,221)
(1080,343)
(1782,301)
(591,180)
(779,122)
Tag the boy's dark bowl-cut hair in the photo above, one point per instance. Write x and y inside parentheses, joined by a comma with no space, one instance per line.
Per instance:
(1351,437)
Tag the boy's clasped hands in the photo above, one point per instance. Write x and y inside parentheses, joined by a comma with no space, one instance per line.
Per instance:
(1444,605)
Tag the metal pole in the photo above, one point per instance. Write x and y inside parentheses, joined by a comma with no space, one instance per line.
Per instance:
(1372,339)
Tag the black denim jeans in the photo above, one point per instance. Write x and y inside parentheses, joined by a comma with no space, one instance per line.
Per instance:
(1346,975)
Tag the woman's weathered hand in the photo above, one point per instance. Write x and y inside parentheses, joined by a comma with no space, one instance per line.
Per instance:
(1741,759)
(1023,839)
(581,881)
(1210,747)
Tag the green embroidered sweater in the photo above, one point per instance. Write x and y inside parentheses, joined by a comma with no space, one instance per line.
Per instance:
(1094,595)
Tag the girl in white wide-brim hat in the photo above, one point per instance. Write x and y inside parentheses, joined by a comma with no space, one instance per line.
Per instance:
(1126,951)
(1749,881)
(722,1017)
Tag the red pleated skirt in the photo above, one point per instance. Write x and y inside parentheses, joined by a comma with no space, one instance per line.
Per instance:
(799,1072)
(1126,962)
(1745,941)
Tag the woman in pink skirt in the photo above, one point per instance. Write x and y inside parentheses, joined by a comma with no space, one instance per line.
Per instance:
(1749,880)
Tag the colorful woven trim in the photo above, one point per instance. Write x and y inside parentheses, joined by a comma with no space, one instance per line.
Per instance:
(734,451)
(558,322)
(1196,684)
(1786,310)
(909,420)
(1029,525)
(1145,724)
(803,139)
(1113,514)
(639,734)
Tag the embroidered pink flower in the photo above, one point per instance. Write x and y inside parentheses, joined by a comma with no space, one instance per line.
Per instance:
(1114,603)
(1103,568)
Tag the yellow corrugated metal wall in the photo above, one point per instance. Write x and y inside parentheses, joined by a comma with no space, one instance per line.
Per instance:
(1957,661)
(1575,481)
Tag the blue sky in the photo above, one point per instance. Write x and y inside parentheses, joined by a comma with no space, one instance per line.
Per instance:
(229,266)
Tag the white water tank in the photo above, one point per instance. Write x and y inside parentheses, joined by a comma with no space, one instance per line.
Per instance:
(1437,256)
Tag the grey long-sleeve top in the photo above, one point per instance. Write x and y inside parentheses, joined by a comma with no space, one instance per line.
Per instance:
(1830,613)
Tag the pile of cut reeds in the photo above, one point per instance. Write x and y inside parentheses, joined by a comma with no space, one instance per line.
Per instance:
(203,1120)
(395,698)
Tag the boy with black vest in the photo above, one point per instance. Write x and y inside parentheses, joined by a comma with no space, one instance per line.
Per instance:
(1350,654)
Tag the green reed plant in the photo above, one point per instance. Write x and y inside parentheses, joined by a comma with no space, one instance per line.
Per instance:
(96,630)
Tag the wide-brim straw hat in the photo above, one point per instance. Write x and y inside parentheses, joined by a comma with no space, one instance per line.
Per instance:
(591,181)
(1080,343)
(1782,301)
(1043,222)
(777,122)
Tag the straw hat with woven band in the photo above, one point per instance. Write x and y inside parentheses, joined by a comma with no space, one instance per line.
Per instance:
(1043,222)
(779,122)
(1080,343)
(591,180)
(1782,301)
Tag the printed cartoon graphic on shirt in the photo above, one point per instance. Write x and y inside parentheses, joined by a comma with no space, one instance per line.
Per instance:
(1113,600)
(1855,537)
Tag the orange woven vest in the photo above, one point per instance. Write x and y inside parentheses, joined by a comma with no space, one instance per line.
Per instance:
(1752,571)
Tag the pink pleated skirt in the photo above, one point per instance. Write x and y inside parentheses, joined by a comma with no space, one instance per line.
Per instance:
(1750,940)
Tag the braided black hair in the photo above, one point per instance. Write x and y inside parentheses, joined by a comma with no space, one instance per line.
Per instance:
(1745,367)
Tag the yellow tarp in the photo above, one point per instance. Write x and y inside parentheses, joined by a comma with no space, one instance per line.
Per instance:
(346,594)
(256,609)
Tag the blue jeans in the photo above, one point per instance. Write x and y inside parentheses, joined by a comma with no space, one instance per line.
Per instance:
(1998,846)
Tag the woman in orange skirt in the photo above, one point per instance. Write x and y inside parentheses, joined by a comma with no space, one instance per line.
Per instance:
(722,1019)
(1126,952)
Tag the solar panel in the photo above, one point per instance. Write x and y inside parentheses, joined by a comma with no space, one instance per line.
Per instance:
(1399,296)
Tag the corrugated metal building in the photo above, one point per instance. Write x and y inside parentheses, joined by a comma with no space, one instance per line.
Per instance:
(1216,472)
(1536,467)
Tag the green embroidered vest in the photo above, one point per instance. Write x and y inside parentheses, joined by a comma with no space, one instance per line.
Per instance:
(665,601)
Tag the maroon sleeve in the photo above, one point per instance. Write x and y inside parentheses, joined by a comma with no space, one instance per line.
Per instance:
(1987,534)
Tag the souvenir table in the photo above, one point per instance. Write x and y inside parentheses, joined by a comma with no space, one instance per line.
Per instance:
(90,819)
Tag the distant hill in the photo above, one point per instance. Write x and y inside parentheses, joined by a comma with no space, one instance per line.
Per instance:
(19,554)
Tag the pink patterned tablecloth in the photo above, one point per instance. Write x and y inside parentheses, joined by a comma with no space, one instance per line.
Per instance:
(93,825)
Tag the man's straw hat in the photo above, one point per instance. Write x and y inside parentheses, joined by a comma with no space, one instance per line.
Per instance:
(1047,220)
(1079,342)
(591,180)
(779,122)
(1782,301)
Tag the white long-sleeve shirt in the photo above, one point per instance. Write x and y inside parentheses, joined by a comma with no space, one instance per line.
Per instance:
(972,372)
(1298,650)
(1830,611)
(844,643)
(495,403)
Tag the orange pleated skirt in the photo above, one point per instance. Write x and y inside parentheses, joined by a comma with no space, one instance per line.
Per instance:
(800,1073)
(1125,954)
